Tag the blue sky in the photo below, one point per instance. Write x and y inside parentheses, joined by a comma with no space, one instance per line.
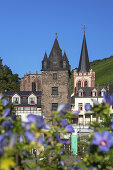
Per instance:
(28,27)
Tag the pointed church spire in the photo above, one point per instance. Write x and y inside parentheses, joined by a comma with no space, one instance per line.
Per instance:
(84,59)
(45,55)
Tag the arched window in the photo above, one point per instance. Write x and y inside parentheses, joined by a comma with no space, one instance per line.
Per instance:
(33,86)
(85,84)
(64,64)
(79,84)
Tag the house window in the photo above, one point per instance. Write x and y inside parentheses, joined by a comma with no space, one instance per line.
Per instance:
(54,106)
(102,93)
(33,108)
(20,108)
(32,100)
(80,106)
(94,93)
(79,84)
(85,84)
(54,76)
(54,90)
(16,100)
(26,108)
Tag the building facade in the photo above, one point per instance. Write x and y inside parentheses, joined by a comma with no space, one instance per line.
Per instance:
(55,80)
(31,82)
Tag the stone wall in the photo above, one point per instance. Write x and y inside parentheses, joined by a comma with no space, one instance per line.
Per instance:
(63,84)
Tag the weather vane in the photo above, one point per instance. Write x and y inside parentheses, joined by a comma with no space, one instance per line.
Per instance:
(84,28)
(56,35)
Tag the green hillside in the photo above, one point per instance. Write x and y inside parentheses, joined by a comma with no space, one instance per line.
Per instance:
(103,71)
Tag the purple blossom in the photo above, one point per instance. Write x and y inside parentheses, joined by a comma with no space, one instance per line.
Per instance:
(6,112)
(88,107)
(21,138)
(62,109)
(61,153)
(69,128)
(108,99)
(7,124)
(24,153)
(104,140)
(41,140)
(5,102)
(62,163)
(76,112)
(38,120)
(63,122)
(62,141)
(112,126)
(26,125)
(30,136)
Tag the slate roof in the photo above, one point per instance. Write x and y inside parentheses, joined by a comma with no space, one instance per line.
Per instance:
(84,59)
(55,59)
(87,91)
(23,93)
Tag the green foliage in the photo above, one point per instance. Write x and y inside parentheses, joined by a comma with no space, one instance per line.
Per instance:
(8,80)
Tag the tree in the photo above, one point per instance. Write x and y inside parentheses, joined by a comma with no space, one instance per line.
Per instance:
(8,80)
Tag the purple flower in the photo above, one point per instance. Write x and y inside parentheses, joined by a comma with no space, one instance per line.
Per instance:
(7,124)
(62,163)
(62,141)
(26,125)
(64,122)
(69,128)
(62,109)
(6,112)
(112,120)
(112,126)
(21,138)
(30,136)
(5,102)
(108,99)
(76,112)
(38,120)
(32,118)
(104,140)
(24,153)
(88,107)
(61,153)
(41,140)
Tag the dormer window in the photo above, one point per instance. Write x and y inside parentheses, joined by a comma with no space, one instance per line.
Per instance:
(16,100)
(32,100)
(94,93)
(64,64)
(103,92)
(80,93)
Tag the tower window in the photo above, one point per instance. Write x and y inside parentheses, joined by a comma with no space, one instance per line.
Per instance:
(54,90)
(33,86)
(85,84)
(79,84)
(54,106)
(54,76)
(64,64)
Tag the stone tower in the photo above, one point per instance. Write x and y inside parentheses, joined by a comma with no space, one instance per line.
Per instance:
(55,80)
(84,76)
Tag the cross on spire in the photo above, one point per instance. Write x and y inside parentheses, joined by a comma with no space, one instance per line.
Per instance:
(84,29)
(56,35)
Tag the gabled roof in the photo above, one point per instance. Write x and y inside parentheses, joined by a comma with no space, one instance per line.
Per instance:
(84,59)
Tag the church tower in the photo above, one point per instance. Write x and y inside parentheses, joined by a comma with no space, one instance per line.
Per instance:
(84,76)
(55,80)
